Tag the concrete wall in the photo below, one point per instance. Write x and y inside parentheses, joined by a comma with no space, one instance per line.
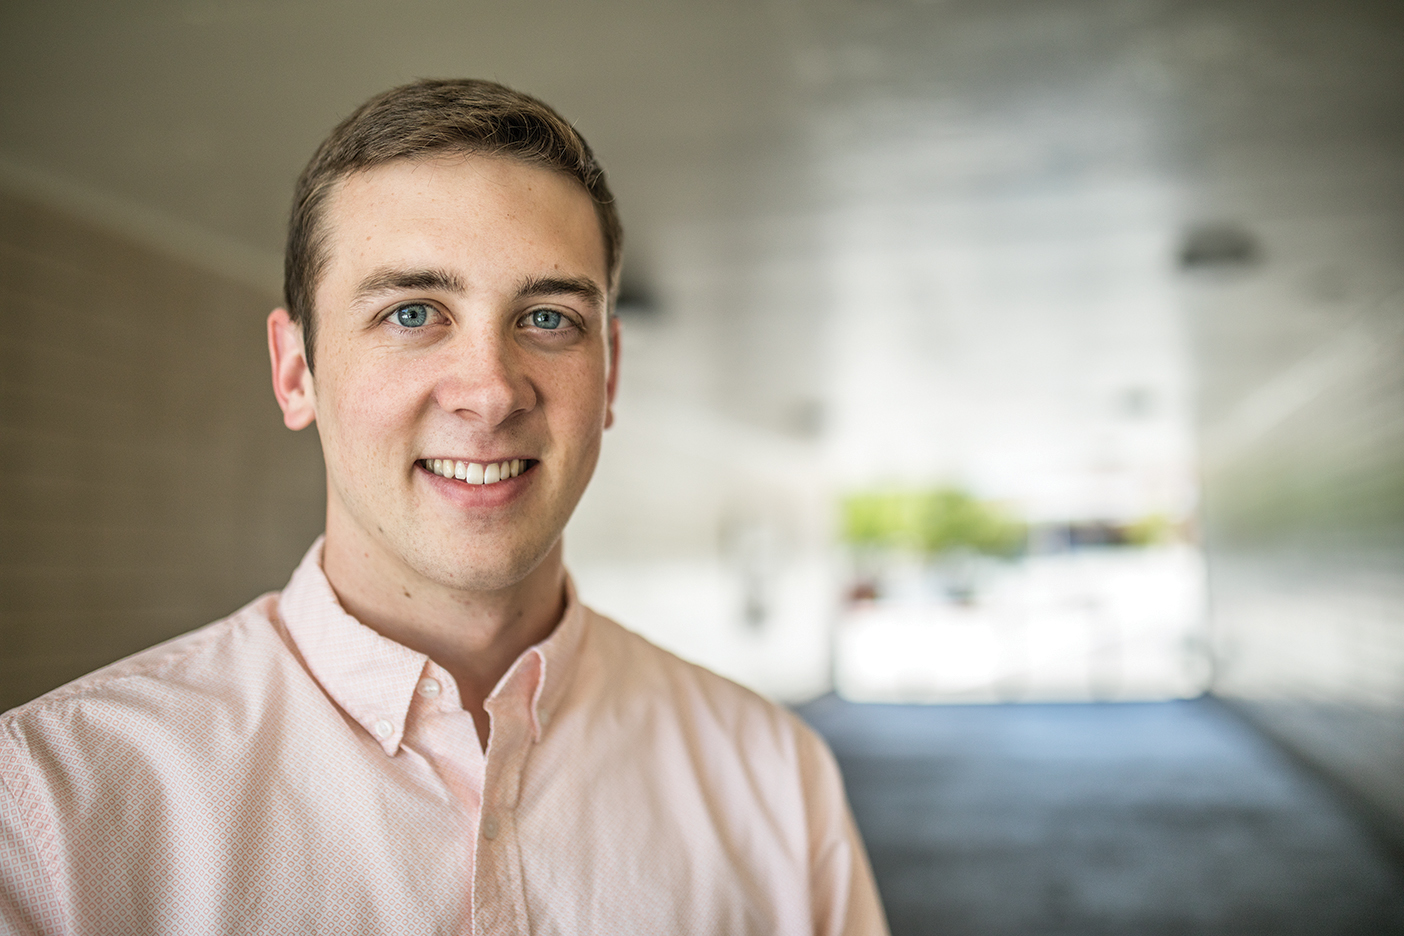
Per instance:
(149,485)
(1304,489)
(1301,358)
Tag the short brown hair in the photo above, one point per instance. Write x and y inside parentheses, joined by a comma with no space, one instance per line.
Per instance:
(424,119)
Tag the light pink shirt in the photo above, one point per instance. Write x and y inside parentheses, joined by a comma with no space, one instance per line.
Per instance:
(289,770)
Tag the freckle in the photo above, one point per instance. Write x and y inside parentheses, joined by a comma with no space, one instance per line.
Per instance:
(407,594)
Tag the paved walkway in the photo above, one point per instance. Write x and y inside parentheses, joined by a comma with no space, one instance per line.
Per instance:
(1137,819)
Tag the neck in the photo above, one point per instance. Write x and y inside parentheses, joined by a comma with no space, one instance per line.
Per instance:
(475,635)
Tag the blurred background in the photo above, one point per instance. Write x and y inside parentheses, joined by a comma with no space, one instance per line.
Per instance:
(1031,351)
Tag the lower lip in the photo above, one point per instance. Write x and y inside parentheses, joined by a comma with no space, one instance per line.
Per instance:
(464,494)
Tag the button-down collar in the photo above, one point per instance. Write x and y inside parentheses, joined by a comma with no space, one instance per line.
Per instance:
(374,679)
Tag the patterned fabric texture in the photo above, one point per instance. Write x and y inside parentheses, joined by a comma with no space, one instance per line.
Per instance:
(288,770)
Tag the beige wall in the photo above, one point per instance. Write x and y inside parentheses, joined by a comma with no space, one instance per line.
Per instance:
(149,485)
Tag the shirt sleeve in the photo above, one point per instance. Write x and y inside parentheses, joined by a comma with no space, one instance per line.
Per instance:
(28,900)
(844,895)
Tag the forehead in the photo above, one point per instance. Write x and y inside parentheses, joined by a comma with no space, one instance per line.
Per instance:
(474,213)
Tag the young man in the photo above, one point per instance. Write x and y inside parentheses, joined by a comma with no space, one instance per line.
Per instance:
(425,731)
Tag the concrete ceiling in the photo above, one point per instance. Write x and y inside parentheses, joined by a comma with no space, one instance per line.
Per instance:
(796,178)
(206,109)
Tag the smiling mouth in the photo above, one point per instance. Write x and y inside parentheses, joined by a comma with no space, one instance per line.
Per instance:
(476,473)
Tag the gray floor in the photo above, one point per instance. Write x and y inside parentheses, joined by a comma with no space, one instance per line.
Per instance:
(1101,819)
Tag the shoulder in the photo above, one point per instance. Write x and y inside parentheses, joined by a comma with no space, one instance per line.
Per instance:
(81,764)
(687,773)
(627,670)
(174,682)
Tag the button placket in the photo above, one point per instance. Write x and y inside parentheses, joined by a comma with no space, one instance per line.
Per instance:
(499,901)
(505,776)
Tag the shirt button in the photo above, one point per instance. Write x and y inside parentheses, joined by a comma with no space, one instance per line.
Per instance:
(383,728)
(489,827)
(429,688)
(544,718)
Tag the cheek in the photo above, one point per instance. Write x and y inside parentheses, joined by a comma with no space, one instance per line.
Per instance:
(374,409)
(576,397)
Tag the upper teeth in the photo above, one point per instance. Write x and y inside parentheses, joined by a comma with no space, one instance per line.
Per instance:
(474,473)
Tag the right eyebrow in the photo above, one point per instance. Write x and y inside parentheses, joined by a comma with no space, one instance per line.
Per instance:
(390,279)
(582,287)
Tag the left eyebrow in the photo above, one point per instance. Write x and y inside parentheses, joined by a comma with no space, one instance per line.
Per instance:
(386,280)
(536,287)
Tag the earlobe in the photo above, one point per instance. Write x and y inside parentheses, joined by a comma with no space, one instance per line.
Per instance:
(612,378)
(292,379)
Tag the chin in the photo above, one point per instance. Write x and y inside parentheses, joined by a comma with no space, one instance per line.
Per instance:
(484,570)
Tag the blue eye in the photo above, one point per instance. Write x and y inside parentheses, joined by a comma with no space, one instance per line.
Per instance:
(412,315)
(545,318)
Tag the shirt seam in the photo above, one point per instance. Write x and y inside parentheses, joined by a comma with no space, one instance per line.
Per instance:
(45,843)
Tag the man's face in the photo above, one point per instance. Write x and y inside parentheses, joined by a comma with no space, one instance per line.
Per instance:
(461,319)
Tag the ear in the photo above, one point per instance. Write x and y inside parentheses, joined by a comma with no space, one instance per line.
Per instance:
(292,379)
(612,378)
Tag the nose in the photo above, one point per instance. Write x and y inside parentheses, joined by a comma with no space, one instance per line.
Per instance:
(482,379)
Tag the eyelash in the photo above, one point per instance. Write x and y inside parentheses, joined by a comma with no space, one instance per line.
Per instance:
(568,322)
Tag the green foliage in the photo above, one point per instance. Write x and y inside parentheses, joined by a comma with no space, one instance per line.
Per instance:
(929,521)
(1152,530)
